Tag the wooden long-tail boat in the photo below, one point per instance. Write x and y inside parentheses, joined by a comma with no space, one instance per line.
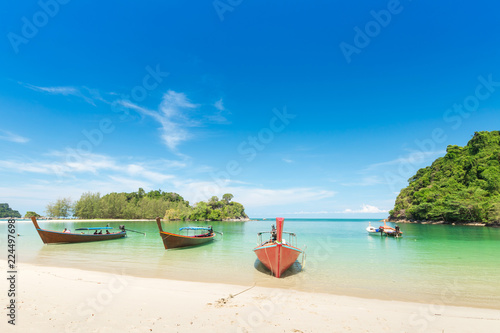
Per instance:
(52,237)
(277,254)
(171,240)
(390,231)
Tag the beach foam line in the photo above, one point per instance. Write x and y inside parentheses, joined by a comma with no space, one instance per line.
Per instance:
(71,300)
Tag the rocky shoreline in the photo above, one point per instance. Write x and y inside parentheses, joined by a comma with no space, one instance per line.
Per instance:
(243,219)
(473,224)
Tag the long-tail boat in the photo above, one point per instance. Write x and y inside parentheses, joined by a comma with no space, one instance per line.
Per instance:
(276,253)
(171,240)
(52,237)
(385,230)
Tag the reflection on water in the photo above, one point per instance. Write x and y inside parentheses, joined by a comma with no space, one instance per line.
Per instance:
(341,258)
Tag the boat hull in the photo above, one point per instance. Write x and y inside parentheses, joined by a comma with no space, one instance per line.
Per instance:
(373,231)
(171,240)
(392,233)
(277,257)
(54,237)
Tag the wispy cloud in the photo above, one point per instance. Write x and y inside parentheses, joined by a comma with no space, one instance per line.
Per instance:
(12,137)
(251,196)
(413,158)
(33,167)
(323,212)
(88,95)
(219,105)
(173,116)
(139,170)
(287,160)
(55,90)
(365,209)
(69,163)
(365,181)
(219,117)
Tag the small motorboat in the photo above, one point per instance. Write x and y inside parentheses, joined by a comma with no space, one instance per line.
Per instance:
(372,230)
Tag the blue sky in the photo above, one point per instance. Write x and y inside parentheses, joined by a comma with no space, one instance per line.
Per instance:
(300,110)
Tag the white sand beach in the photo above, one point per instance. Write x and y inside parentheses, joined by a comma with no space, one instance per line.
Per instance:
(51,299)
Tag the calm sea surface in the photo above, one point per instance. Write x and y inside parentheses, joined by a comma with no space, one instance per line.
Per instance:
(439,264)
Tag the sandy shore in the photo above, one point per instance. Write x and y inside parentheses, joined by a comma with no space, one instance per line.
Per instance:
(51,299)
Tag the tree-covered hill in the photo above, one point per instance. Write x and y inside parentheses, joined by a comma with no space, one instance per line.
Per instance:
(463,186)
(142,205)
(6,211)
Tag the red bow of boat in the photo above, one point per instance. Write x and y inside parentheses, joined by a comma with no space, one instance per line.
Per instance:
(277,254)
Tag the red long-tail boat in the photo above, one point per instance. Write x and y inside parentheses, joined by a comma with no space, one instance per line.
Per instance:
(276,253)
(171,240)
(52,237)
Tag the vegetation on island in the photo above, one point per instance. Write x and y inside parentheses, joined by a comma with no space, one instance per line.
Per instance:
(30,214)
(6,211)
(142,205)
(212,210)
(461,187)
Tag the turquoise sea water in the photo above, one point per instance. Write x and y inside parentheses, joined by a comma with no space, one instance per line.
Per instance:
(440,264)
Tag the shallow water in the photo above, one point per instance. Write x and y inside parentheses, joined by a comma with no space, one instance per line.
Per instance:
(439,264)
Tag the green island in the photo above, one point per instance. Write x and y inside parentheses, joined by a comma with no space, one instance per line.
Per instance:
(6,211)
(461,187)
(147,205)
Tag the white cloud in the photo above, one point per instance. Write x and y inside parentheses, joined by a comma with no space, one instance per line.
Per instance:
(287,160)
(173,116)
(46,168)
(250,196)
(12,137)
(68,91)
(175,104)
(219,105)
(365,209)
(69,163)
(55,90)
(413,158)
(259,197)
(309,213)
(139,170)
